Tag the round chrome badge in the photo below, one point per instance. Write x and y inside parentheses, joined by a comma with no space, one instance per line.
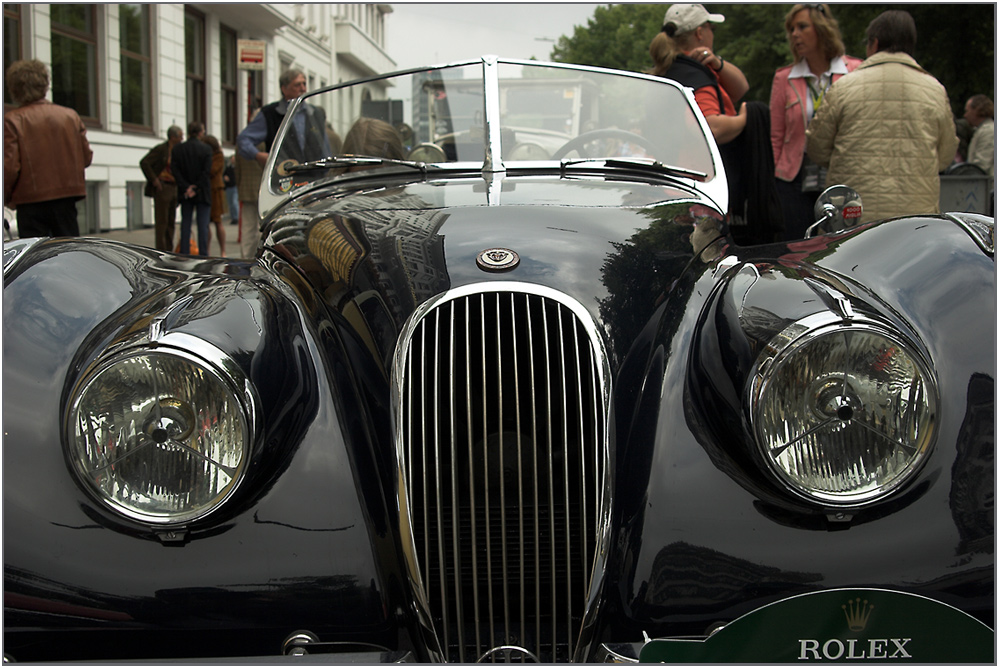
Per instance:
(497,259)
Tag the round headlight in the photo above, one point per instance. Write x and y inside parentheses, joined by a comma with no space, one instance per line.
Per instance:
(160,434)
(844,412)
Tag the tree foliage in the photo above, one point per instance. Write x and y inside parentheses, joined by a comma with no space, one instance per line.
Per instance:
(617,36)
(753,38)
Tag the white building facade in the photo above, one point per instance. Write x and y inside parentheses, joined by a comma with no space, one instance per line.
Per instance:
(133,70)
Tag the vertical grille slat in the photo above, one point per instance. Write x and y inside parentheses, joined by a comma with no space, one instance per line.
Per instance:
(473,506)
(504,427)
(585,523)
(552,547)
(485,462)
(537,486)
(566,481)
(455,501)
(502,469)
(442,565)
(520,469)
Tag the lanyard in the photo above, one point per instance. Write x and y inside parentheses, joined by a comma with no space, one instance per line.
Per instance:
(817,95)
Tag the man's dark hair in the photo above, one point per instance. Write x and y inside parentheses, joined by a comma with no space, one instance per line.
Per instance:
(983,105)
(194,128)
(895,31)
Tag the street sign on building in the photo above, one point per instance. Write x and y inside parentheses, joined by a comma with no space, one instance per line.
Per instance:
(251,53)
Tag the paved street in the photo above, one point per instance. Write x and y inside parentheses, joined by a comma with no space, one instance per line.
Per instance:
(140,237)
(144,237)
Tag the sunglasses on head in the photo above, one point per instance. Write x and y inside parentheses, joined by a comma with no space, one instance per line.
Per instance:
(816,6)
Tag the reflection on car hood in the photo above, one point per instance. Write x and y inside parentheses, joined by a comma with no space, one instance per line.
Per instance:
(409,243)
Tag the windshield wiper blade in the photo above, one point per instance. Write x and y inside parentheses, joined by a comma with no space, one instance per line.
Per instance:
(333,162)
(644,164)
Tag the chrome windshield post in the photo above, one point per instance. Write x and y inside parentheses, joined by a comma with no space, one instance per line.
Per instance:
(493,161)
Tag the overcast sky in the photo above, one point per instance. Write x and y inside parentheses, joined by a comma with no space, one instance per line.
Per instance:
(433,33)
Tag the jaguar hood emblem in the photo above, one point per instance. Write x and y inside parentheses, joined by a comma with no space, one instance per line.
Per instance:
(497,259)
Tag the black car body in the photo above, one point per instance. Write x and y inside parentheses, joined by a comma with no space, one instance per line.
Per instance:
(511,394)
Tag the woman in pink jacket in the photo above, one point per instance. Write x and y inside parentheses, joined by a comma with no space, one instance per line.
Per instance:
(796,93)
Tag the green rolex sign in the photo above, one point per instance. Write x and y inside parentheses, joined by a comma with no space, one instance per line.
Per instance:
(860,625)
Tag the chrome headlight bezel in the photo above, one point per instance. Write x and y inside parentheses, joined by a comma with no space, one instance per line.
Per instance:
(216,368)
(14,251)
(839,414)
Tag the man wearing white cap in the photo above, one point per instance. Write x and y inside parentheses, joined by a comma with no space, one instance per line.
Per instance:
(683,51)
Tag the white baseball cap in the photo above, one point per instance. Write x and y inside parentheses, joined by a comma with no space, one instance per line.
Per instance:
(687,17)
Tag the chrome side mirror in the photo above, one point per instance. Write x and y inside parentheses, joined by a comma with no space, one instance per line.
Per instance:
(837,208)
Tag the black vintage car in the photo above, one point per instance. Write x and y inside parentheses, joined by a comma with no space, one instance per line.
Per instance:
(499,386)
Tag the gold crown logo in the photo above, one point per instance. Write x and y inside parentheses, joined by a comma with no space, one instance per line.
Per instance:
(857,614)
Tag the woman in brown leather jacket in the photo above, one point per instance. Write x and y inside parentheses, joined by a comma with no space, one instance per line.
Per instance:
(218,191)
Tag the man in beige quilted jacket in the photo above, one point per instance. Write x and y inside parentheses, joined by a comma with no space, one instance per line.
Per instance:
(886,129)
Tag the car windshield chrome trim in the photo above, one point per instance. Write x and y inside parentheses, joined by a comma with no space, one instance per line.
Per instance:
(493,161)
(458,83)
(494,187)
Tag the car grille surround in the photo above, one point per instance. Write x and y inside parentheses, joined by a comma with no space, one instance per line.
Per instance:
(502,443)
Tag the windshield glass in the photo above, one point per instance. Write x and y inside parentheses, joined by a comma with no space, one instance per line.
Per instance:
(440,117)
(552,114)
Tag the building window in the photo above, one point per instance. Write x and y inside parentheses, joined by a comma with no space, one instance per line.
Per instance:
(136,67)
(194,64)
(228,72)
(74,59)
(254,93)
(11,43)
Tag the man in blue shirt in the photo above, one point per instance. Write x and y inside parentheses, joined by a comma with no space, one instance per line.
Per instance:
(307,140)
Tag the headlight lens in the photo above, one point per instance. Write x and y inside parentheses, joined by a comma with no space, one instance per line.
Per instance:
(160,435)
(843,412)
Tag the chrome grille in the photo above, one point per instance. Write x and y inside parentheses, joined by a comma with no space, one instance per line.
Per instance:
(502,438)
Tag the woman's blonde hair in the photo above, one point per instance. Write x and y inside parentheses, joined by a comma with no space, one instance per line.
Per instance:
(665,48)
(826,29)
(370,136)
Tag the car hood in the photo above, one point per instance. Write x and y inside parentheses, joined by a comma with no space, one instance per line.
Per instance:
(615,247)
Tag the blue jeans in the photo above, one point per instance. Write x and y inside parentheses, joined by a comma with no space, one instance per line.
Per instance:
(187,208)
(232,196)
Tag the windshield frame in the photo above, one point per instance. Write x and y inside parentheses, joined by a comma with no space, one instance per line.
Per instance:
(492,164)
